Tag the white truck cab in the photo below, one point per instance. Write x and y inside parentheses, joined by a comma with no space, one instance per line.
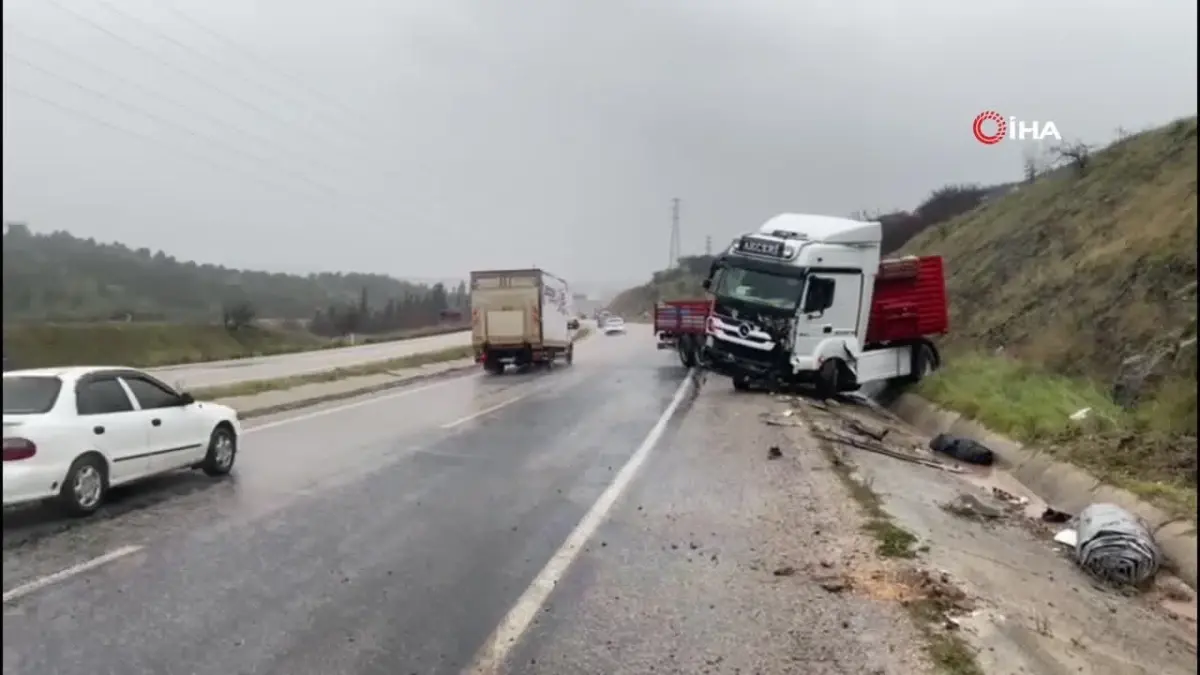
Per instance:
(807,298)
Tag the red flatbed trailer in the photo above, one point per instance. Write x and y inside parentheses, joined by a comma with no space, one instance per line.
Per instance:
(680,325)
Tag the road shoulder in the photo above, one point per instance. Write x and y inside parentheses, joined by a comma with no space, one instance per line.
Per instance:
(722,560)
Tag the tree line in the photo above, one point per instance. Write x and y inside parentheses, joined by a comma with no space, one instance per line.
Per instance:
(63,278)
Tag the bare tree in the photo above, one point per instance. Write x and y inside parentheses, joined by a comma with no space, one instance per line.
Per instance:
(1033,164)
(1077,154)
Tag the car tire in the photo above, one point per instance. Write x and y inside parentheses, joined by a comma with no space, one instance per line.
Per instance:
(222,452)
(740,383)
(85,487)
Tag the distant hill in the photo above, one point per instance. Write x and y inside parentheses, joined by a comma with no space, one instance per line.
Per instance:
(60,277)
(680,283)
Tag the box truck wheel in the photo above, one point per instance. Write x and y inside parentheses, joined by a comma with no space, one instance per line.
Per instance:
(741,383)
(493,367)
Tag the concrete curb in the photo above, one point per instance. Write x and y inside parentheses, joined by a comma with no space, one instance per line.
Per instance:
(351,393)
(1060,484)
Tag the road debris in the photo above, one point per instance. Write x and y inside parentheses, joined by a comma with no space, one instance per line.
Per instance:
(882,450)
(785,571)
(1009,498)
(1051,515)
(774,452)
(1115,546)
(963,449)
(971,507)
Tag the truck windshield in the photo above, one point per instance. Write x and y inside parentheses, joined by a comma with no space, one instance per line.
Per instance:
(775,290)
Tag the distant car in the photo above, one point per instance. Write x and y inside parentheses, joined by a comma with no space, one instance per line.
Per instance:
(72,433)
(614,325)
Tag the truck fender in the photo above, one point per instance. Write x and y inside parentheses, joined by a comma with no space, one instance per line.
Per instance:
(844,349)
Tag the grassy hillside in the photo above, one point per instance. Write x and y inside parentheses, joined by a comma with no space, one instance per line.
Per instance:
(683,282)
(1079,290)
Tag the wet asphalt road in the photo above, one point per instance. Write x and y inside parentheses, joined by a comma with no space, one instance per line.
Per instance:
(223,373)
(388,537)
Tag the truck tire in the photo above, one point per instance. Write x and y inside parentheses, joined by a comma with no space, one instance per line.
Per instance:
(687,350)
(924,363)
(493,367)
(829,378)
(740,383)
(570,354)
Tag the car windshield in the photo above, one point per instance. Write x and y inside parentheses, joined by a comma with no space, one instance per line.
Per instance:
(761,287)
(30,395)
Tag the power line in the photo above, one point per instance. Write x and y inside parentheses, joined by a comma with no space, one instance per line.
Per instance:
(153,140)
(151,28)
(249,54)
(155,117)
(158,59)
(153,93)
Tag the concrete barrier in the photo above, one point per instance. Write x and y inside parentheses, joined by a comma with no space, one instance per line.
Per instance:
(1063,485)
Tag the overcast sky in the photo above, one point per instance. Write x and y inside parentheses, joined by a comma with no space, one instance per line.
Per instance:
(426,138)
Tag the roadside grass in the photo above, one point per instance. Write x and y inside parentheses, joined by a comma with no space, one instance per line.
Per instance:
(1149,451)
(255,387)
(389,366)
(151,345)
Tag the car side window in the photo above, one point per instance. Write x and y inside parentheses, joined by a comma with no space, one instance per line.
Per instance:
(101,397)
(151,395)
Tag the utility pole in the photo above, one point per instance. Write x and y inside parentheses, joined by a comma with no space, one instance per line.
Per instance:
(675,243)
(708,245)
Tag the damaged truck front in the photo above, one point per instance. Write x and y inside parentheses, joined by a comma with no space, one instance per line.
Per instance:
(807,299)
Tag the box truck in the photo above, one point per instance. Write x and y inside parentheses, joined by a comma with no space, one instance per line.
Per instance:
(522,318)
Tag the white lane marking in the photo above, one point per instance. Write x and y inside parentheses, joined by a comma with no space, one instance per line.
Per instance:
(490,658)
(62,575)
(357,404)
(485,411)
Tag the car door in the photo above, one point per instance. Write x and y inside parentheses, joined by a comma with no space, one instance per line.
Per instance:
(177,435)
(112,424)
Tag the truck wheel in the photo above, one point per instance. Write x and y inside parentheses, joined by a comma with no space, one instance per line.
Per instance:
(828,379)
(924,363)
(493,367)
(570,355)
(740,383)
(687,352)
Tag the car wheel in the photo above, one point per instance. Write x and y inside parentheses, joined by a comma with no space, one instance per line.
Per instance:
(222,451)
(740,383)
(85,486)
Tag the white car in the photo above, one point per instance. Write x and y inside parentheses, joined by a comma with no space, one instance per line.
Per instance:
(72,433)
(614,325)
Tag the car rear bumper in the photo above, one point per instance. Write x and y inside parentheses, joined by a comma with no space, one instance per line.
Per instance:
(30,482)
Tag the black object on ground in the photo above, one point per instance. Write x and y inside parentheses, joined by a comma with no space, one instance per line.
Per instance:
(1055,516)
(963,449)
(774,452)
